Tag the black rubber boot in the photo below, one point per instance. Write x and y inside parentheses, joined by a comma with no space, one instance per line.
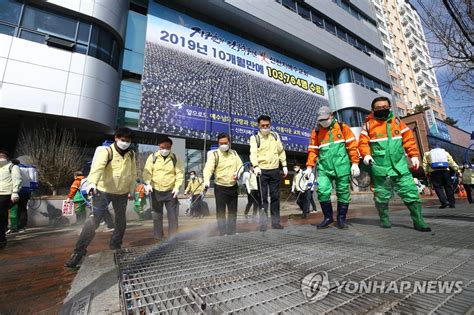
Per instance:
(327,211)
(341,214)
(74,260)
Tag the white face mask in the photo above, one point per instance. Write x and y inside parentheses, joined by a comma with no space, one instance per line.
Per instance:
(3,162)
(224,147)
(193,176)
(164,152)
(325,123)
(123,145)
(296,169)
(265,131)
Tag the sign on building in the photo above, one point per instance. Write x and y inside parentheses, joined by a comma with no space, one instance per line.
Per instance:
(431,122)
(200,80)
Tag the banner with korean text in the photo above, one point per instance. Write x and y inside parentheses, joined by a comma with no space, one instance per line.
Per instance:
(199,80)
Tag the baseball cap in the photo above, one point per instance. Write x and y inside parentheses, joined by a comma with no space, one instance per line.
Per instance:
(324,112)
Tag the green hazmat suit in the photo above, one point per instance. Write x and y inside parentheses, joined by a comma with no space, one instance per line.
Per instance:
(390,170)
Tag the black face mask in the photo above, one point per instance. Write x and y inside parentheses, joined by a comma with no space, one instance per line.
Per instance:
(382,113)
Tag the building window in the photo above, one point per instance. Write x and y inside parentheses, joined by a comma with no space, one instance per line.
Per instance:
(361,46)
(49,23)
(341,34)
(343,76)
(348,75)
(7,29)
(314,16)
(101,44)
(358,78)
(354,117)
(345,6)
(129,103)
(330,27)
(290,4)
(351,40)
(10,11)
(34,37)
(83,32)
(369,83)
(378,85)
(317,19)
(304,12)
(43,24)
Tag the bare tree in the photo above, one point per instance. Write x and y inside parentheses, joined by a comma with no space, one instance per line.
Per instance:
(54,151)
(449,28)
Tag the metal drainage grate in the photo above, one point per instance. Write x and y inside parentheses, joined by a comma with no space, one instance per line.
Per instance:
(262,273)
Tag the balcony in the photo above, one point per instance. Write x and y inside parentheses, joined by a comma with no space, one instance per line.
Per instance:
(426,74)
(408,32)
(419,65)
(419,51)
(405,20)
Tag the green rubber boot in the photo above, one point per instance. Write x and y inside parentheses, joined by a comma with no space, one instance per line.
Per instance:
(14,219)
(383,214)
(415,213)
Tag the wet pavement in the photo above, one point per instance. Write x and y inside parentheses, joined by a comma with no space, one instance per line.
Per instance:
(300,270)
(32,279)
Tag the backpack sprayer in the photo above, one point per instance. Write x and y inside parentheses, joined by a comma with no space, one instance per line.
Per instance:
(198,199)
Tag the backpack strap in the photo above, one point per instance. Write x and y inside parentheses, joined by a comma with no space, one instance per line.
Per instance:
(257,138)
(341,125)
(110,155)
(173,159)
(132,155)
(398,121)
(316,130)
(216,159)
(274,134)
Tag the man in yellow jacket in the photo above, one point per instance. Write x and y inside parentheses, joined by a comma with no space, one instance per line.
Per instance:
(163,175)
(266,155)
(194,190)
(111,180)
(225,164)
(437,164)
